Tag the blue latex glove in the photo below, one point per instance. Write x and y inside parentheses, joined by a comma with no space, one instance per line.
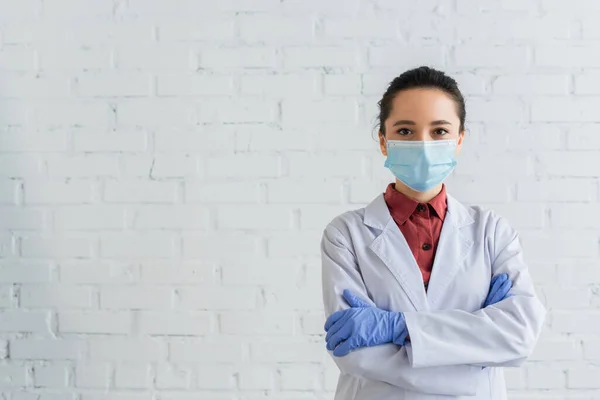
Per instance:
(499,289)
(363,326)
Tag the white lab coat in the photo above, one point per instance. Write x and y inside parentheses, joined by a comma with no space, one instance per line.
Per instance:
(451,337)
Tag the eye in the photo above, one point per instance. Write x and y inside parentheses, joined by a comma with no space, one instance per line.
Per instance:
(441,132)
(404,132)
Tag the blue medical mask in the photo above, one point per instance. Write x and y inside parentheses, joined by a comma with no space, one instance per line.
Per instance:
(421,165)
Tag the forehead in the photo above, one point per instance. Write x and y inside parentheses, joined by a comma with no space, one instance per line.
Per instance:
(422,103)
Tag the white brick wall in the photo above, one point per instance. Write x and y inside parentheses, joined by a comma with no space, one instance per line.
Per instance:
(166,169)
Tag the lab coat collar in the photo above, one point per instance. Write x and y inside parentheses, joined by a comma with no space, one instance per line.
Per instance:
(393,250)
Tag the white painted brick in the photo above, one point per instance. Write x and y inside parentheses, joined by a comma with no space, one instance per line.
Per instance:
(246,109)
(523,216)
(565,298)
(222,192)
(208,247)
(571,56)
(83,166)
(9,191)
(532,85)
(558,190)
(188,273)
(93,376)
(257,29)
(58,114)
(16,59)
(497,109)
(402,56)
(56,245)
(474,6)
(575,5)
(561,216)
(295,57)
(580,321)
(12,376)
(564,109)
(174,217)
(172,377)
(26,9)
(128,141)
(22,218)
(193,395)
(63,296)
(590,29)
(376,83)
(156,57)
(155,112)
(545,377)
(313,323)
(127,395)
(178,29)
(583,137)
(318,216)
(303,85)
(562,243)
(88,271)
(223,350)
(578,272)
(18,85)
(291,245)
(217,138)
(361,27)
(311,7)
(113,84)
(218,298)
(239,57)
(365,192)
(174,323)
(19,112)
(76,9)
(500,27)
(304,191)
(568,163)
(137,191)
(584,377)
(345,85)
(332,375)
(162,166)
(216,377)
(550,350)
(523,137)
(127,349)
(53,191)
(244,166)
(256,271)
(515,378)
(300,377)
(495,57)
(254,217)
(194,85)
(127,246)
(133,376)
(257,323)
(591,349)
(47,349)
(273,139)
(292,351)
(139,297)
(6,296)
(64,57)
(94,322)
(587,84)
(23,321)
(303,165)
(256,378)
(162,7)
(50,376)
(90,217)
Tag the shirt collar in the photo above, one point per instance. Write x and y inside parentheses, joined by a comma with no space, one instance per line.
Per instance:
(402,207)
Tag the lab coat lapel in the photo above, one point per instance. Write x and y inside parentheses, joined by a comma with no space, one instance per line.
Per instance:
(455,242)
(392,249)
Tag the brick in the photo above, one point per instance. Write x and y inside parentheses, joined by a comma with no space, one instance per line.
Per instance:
(20,113)
(94,271)
(254,217)
(113,84)
(300,191)
(173,217)
(565,243)
(57,245)
(305,84)
(292,351)
(239,192)
(129,246)
(123,349)
(243,110)
(580,321)
(402,56)
(76,9)
(532,85)
(138,191)
(299,57)
(54,57)
(24,321)
(22,218)
(136,298)
(160,166)
(336,8)
(318,216)
(133,376)
(551,349)
(257,323)
(210,30)
(13,376)
(362,28)
(343,85)
(300,377)
(545,377)
(47,349)
(312,323)
(90,217)
(6,297)
(258,29)
(188,273)
(216,377)
(194,85)
(567,163)
(16,58)
(94,376)
(55,296)
(490,110)
(500,26)
(172,377)
(37,191)
(155,57)
(326,165)
(583,377)
(207,139)
(564,109)
(238,57)
(265,138)
(209,247)
(89,321)
(50,376)
(218,298)
(127,141)
(523,216)
(561,216)
(557,190)
(294,244)
(17,85)
(221,350)
(175,323)
(583,137)
(155,112)
(258,271)
(244,166)
(256,378)
(83,166)
(562,56)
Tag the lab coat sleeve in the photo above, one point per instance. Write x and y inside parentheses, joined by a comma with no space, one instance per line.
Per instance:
(503,334)
(386,363)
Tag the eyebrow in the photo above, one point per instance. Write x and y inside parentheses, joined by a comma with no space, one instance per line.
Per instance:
(408,122)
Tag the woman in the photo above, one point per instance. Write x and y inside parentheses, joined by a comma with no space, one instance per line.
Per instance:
(416,284)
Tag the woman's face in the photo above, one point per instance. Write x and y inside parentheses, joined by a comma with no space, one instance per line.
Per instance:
(422,114)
